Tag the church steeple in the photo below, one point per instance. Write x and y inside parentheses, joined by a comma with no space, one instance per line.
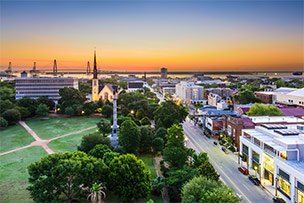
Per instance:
(95,66)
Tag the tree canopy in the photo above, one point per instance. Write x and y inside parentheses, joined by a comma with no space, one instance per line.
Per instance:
(169,113)
(264,110)
(129,178)
(203,190)
(129,137)
(62,174)
(246,96)
(104,127)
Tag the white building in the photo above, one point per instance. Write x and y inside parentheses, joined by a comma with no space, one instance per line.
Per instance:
(168,90)
(42,86)
(275,154)
(292,97)
(188,92)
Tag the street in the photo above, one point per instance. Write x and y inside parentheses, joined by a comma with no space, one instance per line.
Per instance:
(225,164)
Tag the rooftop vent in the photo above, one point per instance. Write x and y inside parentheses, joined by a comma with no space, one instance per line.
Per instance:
(274,126)
(288,132)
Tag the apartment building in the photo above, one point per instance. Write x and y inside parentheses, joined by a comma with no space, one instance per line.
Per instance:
(188,92)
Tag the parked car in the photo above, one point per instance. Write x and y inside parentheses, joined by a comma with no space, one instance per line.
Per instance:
(215,143)
(243,170)
(278,200)
(255,180)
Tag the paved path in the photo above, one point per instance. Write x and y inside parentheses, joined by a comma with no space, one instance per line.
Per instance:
(75,132)
(42,143)
(39,141)
(159,173)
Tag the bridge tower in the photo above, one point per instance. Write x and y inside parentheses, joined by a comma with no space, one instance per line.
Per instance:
(55,67)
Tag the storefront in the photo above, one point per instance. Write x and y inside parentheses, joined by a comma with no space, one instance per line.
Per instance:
(268,165)
(284,183)
(300,192)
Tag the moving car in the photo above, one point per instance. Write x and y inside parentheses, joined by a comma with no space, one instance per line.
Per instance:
(225,150)
(255,180)
(215,143)
(243,170)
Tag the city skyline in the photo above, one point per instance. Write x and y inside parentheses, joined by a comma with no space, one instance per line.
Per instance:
(146,35)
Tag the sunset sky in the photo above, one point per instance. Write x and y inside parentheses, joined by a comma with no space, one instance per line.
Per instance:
(146,35)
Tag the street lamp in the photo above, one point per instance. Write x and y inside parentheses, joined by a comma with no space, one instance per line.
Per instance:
(255,168)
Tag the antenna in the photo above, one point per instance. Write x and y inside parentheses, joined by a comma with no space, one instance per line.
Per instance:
(55,67)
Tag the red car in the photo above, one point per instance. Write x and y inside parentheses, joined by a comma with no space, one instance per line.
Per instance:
(243,170)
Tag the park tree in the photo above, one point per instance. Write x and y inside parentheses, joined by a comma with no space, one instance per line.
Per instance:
(199,159)
(70,111)
(207,170)
(201,189)
(145,121)
(89,108)
(264,110)
(161,132)
(12,116)
(107,110)
(176,178)
(129,178)
(169,113)
(175,136)
(104,126)
(24,112)
(158,144)
(175,153)
(176,157)
(85,88)
(28,103)
(3,123)
(146,137)
(99,151)
(5,105)
(88,142)
(129,137)
(60,175)
(109,156)
(246,96)
(42,110)
(48,102)
(121,119)
(7,93)
(70,96)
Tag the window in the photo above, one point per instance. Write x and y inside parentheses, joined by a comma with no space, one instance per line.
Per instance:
(300,192)
(284,186)
(268,163)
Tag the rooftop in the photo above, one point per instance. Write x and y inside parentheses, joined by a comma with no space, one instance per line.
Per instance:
(276,119)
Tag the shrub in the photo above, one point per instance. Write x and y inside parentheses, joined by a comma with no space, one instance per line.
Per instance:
(12,116)
(3,123)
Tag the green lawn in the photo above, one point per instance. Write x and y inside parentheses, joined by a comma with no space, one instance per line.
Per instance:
(69,143)
(56,126)
(14,175)
(149,162)
(13,137)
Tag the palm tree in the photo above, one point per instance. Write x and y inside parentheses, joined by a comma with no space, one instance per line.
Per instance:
(97,193)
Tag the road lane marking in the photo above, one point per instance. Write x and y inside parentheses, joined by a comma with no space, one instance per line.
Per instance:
(246,187)
(197,145)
